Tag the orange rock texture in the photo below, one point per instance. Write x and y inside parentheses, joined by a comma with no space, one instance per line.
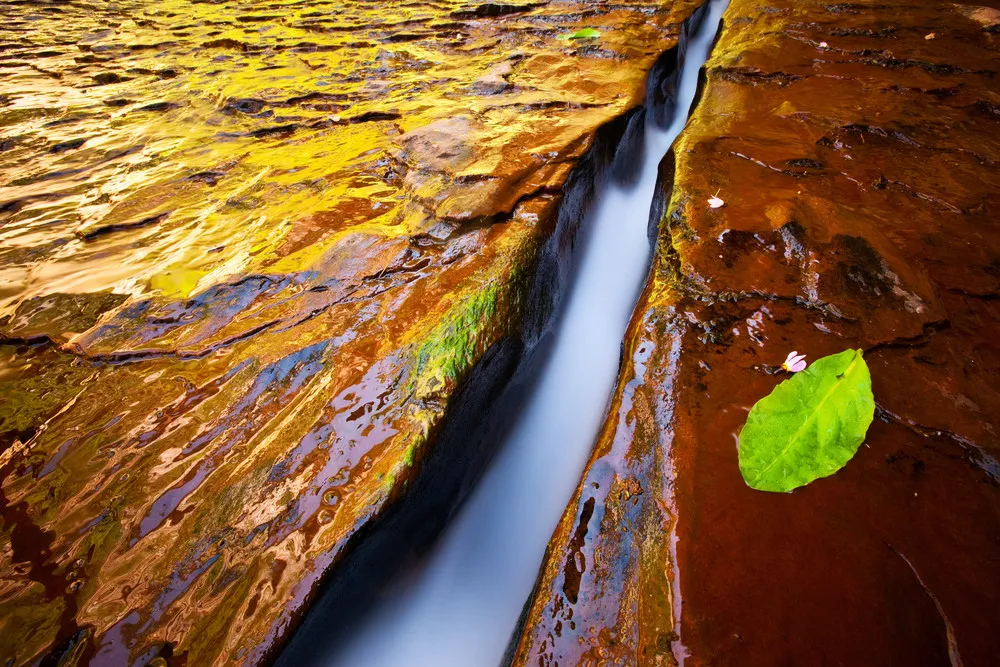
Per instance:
(856,147)
(251,253)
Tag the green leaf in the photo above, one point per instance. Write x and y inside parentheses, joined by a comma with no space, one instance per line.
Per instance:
(809,426)
(585,33)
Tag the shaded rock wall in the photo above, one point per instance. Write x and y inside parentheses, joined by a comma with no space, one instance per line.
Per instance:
(254,256)
(856,147)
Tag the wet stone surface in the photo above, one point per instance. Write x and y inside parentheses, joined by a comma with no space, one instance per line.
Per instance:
(248,253)
(856,148)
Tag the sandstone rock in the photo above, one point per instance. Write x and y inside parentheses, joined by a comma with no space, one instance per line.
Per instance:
(857,163)
(338,219)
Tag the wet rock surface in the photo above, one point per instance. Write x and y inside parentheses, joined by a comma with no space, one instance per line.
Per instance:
(250,252)
(856,149)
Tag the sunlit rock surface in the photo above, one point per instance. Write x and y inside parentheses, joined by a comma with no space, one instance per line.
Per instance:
(248,252)
(856,148)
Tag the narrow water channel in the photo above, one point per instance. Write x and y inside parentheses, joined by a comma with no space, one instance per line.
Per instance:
(461,607)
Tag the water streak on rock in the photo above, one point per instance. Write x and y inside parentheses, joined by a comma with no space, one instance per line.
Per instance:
(250,255)
(465,601)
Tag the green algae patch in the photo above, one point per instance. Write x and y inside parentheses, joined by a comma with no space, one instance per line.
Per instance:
(456,343)
(584,33)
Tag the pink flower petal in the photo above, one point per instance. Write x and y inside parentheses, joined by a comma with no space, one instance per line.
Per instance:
(794,362)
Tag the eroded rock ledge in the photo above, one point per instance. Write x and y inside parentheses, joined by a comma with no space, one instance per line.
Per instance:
(856,147)
(258,270)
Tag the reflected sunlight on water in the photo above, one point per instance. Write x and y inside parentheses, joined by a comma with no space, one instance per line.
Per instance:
(250,250)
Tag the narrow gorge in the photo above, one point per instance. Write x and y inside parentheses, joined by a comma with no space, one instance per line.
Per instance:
(464,601)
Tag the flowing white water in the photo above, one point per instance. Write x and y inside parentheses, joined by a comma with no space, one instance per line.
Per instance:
(463,605)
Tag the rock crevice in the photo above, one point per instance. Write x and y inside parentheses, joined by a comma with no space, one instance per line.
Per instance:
(857,213)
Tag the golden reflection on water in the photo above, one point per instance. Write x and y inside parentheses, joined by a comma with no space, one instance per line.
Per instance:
(215,129)
(255,248)
(166,100)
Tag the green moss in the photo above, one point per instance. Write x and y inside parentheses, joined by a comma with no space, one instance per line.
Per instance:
(455,344)
(388,480)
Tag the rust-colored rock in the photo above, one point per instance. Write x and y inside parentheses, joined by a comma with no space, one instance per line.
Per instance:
(250,252)
(858,162)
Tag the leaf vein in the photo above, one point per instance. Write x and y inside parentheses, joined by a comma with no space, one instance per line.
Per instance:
(810,418)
